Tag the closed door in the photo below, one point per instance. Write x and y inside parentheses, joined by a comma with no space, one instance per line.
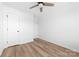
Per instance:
(10,29)
(18,28)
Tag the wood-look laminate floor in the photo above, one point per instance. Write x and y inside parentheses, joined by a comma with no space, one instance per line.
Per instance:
(38,48)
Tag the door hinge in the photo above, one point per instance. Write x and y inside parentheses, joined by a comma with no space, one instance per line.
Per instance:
(7,15)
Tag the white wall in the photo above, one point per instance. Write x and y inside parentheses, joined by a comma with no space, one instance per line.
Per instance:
(17,20)
(35,21)
(60,24)
(1,30)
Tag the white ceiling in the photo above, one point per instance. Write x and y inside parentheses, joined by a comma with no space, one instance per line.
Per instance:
(22,6)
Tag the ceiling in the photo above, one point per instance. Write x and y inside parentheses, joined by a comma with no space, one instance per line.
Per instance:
(22,6)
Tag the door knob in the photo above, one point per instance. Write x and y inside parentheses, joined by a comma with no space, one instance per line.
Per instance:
(17,30)
(7,42)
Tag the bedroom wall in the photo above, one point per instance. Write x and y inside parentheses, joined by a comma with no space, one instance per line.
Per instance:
(1,30)
(35,21)
(17,21)
(60,24)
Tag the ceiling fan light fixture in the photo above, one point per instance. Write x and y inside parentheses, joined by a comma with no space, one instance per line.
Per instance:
(40,5)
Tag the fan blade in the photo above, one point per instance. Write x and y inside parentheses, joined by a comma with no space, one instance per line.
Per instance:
(48,4)
(34,6)
(41,9)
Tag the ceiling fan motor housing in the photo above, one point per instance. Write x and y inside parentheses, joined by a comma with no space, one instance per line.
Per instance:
(41,3)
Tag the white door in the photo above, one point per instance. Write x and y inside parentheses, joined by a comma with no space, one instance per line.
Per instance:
(12,29)
(18,28)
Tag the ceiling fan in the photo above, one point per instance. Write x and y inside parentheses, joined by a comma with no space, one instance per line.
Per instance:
(41,4)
